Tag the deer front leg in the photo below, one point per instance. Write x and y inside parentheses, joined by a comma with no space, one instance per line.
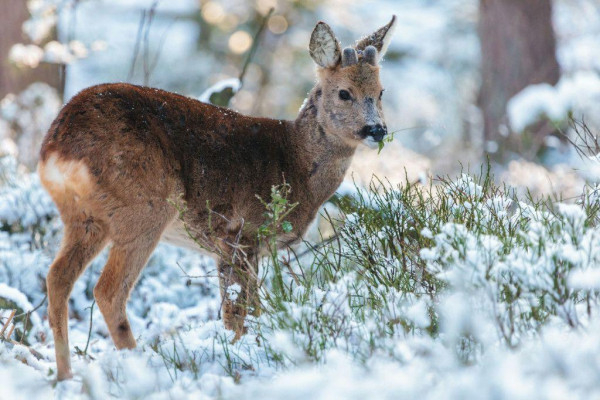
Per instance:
(239,294)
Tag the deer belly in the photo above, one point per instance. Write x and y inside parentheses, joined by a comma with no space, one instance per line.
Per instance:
(177,235)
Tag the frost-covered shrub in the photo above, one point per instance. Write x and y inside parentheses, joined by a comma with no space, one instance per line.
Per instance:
(26,118)
(457,290)
(463,261)
(28,230)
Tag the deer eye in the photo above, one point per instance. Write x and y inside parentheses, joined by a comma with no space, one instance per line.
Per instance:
(345,95)
(381,93)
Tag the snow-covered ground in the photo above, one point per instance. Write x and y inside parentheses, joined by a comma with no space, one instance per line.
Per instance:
(516,316)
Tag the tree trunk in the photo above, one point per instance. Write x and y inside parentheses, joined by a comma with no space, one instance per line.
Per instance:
(518,49)
(12,79)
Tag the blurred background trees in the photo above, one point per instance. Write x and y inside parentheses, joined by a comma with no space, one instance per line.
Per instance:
(464,78)
(518,49)
(14,79)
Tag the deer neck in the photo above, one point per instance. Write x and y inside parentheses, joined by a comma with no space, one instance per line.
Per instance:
(323,158)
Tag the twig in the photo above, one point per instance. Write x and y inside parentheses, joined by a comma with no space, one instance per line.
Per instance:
(12,328)
(194,276)
(7,339)
(146,55)
(136,48)
(312,248)
(161,44)
(10,318)
(90,330)
(290,270)
(337,236)
(24,328)
(588,144)
(34,309)
(142,41)
(254,45)
(73,21)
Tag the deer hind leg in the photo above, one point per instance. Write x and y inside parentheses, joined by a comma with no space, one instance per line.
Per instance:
(125,263)
(82,241)
(239,294)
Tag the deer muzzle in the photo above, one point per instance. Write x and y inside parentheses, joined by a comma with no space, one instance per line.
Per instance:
(374,132)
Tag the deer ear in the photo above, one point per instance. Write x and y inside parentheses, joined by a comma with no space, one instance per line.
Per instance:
(380,39)
(324,48)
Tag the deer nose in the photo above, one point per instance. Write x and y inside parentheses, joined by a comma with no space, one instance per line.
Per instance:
(377,132)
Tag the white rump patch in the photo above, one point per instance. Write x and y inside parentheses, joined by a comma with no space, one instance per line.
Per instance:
(51,172)
(60,175)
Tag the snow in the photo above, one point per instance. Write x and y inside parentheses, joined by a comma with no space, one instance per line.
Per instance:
(43,19)
(233,292)
(585,279)
(184,351)
(233,83)
(28,55)
(58,53)
(417,313)
(15,296)
(544,100)
(533,102)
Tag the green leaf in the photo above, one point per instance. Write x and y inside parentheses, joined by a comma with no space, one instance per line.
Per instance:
(286,226)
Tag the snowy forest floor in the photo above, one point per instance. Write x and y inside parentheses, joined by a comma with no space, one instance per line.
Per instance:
(458,289)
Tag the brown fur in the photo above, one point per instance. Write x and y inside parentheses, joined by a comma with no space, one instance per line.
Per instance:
(121,161)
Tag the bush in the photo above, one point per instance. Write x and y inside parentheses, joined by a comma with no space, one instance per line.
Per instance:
(402,256)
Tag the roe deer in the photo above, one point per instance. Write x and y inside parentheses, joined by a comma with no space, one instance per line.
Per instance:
(119,158)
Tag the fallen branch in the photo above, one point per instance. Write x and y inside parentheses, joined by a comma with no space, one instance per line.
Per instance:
(7,324)
(7,340)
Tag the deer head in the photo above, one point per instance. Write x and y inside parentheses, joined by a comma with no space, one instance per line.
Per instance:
(349,106)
